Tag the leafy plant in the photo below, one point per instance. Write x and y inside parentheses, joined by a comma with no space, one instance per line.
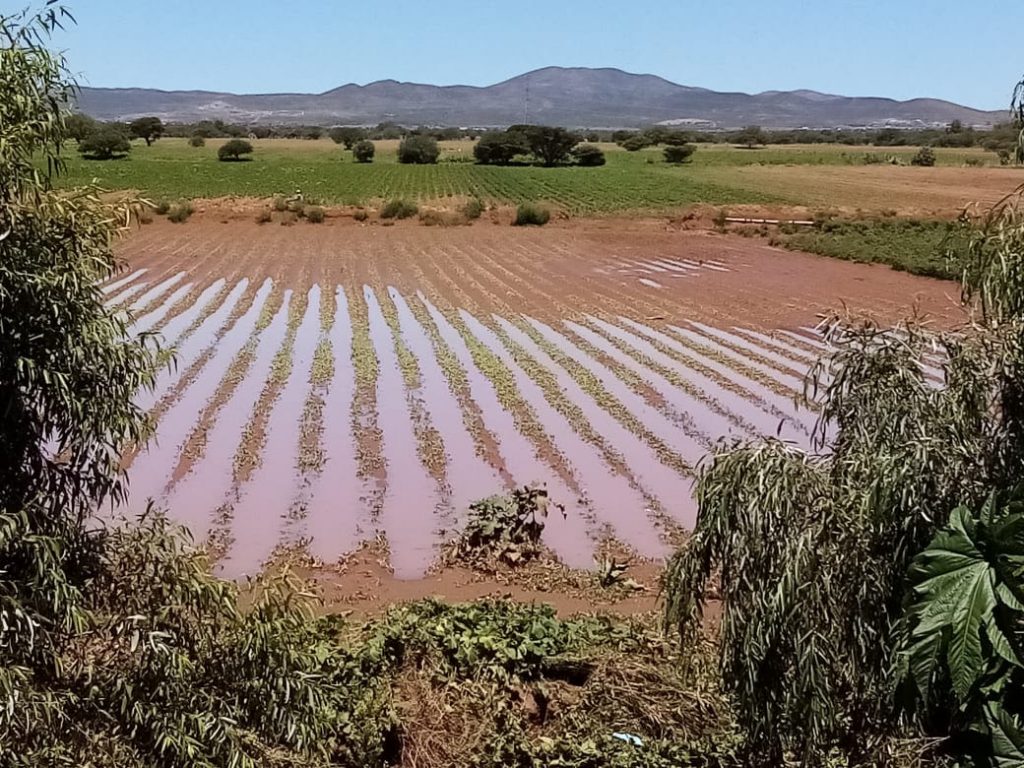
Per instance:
(180,212)
(234,150)
(963,631)
(473,209)
(506,528)
(315,214)
(104,143)
(679,153)
(528,214)
(399,209)
(925,157)
(363,151)
(418,150)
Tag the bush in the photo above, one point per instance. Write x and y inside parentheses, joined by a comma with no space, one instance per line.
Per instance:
(280,204)
(180,213)
(432,218)
(679,154)
(418,150)
(234,150)
(104,143)
(315,214)
(473,209)
(500,147)
(634,143)
(528,214)
(162,207)
(197,141)
(361,215)
(264,217)
(364,151)
(925,157)
(589,156)
(399,209)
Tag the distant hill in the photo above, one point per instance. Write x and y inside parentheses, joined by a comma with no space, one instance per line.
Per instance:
(578,97)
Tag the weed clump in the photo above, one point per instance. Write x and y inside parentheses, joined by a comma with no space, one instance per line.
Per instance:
(161,208)
(315,214)
(530,215)
(505,529)
(264,217)
(473,209)
(399,209)
(361,215)
(280,204)
(180,212)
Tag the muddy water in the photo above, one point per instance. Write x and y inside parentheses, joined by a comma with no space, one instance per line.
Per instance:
(124,295)
(109,288)
(156,292)
(268,497)
(182,321)
(567,536)
(193,347)
(470,477)
(152,471)
(411,496)
(791,374)
(751,412)
(336,509)
(797,356)
(207,487)
(608,494)
(621,502)
(709,421)
(689,447)
(147,321)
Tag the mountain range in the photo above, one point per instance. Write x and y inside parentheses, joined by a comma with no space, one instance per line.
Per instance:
(571,97)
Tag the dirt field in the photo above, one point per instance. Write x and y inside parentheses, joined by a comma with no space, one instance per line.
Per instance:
(339,382)
(940,192)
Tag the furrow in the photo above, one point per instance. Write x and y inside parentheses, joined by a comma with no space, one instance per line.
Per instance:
(336,508)
(567,536)
(267,498)
(205,488)
(411,496)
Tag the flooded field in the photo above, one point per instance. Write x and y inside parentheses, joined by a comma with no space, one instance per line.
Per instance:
(336,383)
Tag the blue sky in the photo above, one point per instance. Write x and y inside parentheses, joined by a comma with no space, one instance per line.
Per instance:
(966,52)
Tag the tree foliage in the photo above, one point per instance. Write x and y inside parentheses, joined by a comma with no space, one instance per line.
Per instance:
(234,150)
(677,154)
(363,151)
(418,150)
(347,136)
(589,156)
(147,128)
(812,550)
(104,143)
(500,147)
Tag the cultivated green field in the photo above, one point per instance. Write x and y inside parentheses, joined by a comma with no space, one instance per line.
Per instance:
(638,181)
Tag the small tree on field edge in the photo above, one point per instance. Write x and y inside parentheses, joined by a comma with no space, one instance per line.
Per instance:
(148,129)
(679,154)
(751,136)
(363,151)
(589,156)
(925,157)
(197,141)
(500,147)
(234,150)
(104,143)
(418,150)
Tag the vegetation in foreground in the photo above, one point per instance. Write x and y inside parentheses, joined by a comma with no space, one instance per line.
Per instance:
(873,595)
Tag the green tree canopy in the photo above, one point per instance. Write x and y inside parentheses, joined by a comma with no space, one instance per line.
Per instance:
(147,128)
(104,143)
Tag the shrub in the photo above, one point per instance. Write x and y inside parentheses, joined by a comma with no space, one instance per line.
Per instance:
(315,214)
(432,218)
(473,209)
(234,150)
(180,212)
(149,129)
(363,151)
(589,156)
(505,528)
(528,214)
(925,157)
(634,143)
(105,143)
(399,209)
(500,147)
(280,204)
(361,215)
(162,207)
(418,150)
(677,154)
(264,217)
(197,141)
